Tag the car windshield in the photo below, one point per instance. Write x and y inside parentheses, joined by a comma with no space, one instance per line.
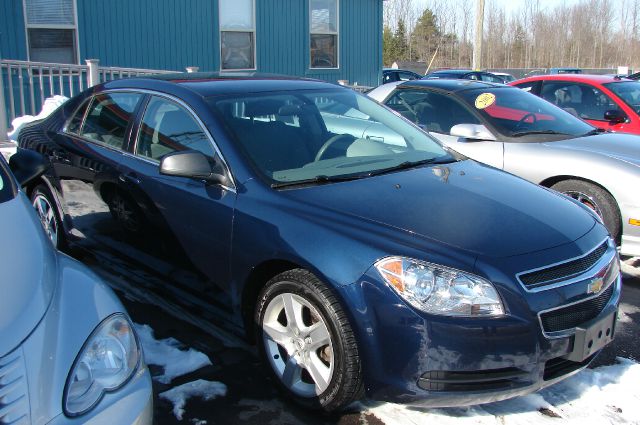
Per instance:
(628,91)
(515,113)
(321,136)
(6,189)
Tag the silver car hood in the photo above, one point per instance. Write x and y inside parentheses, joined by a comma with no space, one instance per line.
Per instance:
(28,265)
(625,147)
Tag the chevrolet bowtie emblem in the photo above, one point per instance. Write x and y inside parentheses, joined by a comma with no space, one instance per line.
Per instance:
(595,285)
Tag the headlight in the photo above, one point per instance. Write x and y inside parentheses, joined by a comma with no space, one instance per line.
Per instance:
(440,290)
(106,362)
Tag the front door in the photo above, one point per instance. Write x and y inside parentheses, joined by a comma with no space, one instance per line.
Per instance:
(187,221)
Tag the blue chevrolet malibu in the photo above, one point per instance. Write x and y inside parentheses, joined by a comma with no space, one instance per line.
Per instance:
(358,253)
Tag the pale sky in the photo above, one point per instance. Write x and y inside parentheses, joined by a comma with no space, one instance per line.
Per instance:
(510,5)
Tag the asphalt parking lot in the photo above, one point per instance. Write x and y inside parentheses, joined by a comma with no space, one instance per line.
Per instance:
(250,397)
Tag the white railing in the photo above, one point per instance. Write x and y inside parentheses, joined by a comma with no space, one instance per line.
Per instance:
(25,85)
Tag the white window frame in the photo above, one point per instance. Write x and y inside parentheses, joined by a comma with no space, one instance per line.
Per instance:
(336,33)
(222,29)
(28,26)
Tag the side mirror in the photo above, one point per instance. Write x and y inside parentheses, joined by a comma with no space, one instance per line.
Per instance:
(27,165)
(615,116)
(191,164)
(472,132)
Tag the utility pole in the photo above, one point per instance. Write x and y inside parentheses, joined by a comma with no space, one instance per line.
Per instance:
(477,46)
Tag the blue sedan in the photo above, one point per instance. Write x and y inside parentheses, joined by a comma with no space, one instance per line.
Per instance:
(358,253)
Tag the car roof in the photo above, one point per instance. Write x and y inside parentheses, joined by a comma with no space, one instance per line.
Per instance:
(452,86)
(585,78)
(216,83)
(452,71)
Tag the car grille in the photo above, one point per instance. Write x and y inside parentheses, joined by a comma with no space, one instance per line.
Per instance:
(14,402)
(562,271)
(571,316)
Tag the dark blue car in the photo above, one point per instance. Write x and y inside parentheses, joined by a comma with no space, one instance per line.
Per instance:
(361,255)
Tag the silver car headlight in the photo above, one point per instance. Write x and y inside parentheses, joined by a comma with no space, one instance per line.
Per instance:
(109,357)
(440,290)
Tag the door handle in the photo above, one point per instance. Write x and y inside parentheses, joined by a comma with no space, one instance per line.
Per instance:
(130,178)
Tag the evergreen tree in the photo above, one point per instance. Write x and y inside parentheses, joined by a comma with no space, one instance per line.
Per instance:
(388,47)
(401,47)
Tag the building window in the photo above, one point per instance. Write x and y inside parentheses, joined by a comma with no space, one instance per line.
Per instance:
(51,30)
(323,33)
(237,35)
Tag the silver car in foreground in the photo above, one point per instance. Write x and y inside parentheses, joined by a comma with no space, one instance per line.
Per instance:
(68,351)
(520,133)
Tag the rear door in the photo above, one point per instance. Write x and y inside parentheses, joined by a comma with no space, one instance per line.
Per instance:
(190,221)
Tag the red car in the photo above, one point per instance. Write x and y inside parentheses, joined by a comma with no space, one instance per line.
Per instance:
(607,102)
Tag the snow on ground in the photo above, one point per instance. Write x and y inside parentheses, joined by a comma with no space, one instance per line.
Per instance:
(50,104)
(605,395)
(207,390)
(167,353)
(631,267)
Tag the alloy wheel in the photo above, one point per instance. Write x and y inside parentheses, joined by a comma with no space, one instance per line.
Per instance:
(298,344)
(47,217)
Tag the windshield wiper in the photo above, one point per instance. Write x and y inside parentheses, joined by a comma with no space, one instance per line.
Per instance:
(526,133)
(321,179)
(411,164)
(595,131)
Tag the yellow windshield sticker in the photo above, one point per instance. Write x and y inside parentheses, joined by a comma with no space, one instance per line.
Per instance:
(485,100)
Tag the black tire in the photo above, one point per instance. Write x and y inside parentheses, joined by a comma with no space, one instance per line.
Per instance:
(47,210)
(595,198)
(126,213)
(340,355)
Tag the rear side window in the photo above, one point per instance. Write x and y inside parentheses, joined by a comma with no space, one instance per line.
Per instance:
(108,118)
(76,121)
(431,111)
(167,127)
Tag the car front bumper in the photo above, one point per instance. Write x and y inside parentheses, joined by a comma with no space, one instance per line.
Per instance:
(444,362)
(630,243)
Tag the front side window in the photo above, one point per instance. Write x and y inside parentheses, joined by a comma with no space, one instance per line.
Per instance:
(320,135)
(51,30)
(168,127)
(237,34)
(628,91)
(108,118)
(581,100)
(514,113)
(323,29)
(6,188)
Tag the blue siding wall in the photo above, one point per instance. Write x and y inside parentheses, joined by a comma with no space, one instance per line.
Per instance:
(282,38)
(12,36)
(174,34)
(156,34)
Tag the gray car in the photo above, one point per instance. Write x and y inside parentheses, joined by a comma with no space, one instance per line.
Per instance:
(520,133)
(68,351)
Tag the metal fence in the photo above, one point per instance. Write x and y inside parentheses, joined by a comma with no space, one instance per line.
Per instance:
(25,85)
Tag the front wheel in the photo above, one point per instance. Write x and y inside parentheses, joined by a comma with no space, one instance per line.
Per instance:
(305,339)
(45,206)
(596,198)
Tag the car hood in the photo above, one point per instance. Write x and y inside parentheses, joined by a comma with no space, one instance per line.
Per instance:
(464,205)
(29,272)
(625,147)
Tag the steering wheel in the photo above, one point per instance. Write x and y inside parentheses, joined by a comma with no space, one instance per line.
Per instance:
(333,139)
(524,119)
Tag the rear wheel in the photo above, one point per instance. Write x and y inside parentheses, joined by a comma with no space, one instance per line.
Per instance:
(596,198)
(126,213)
(305,339)
(45,206)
